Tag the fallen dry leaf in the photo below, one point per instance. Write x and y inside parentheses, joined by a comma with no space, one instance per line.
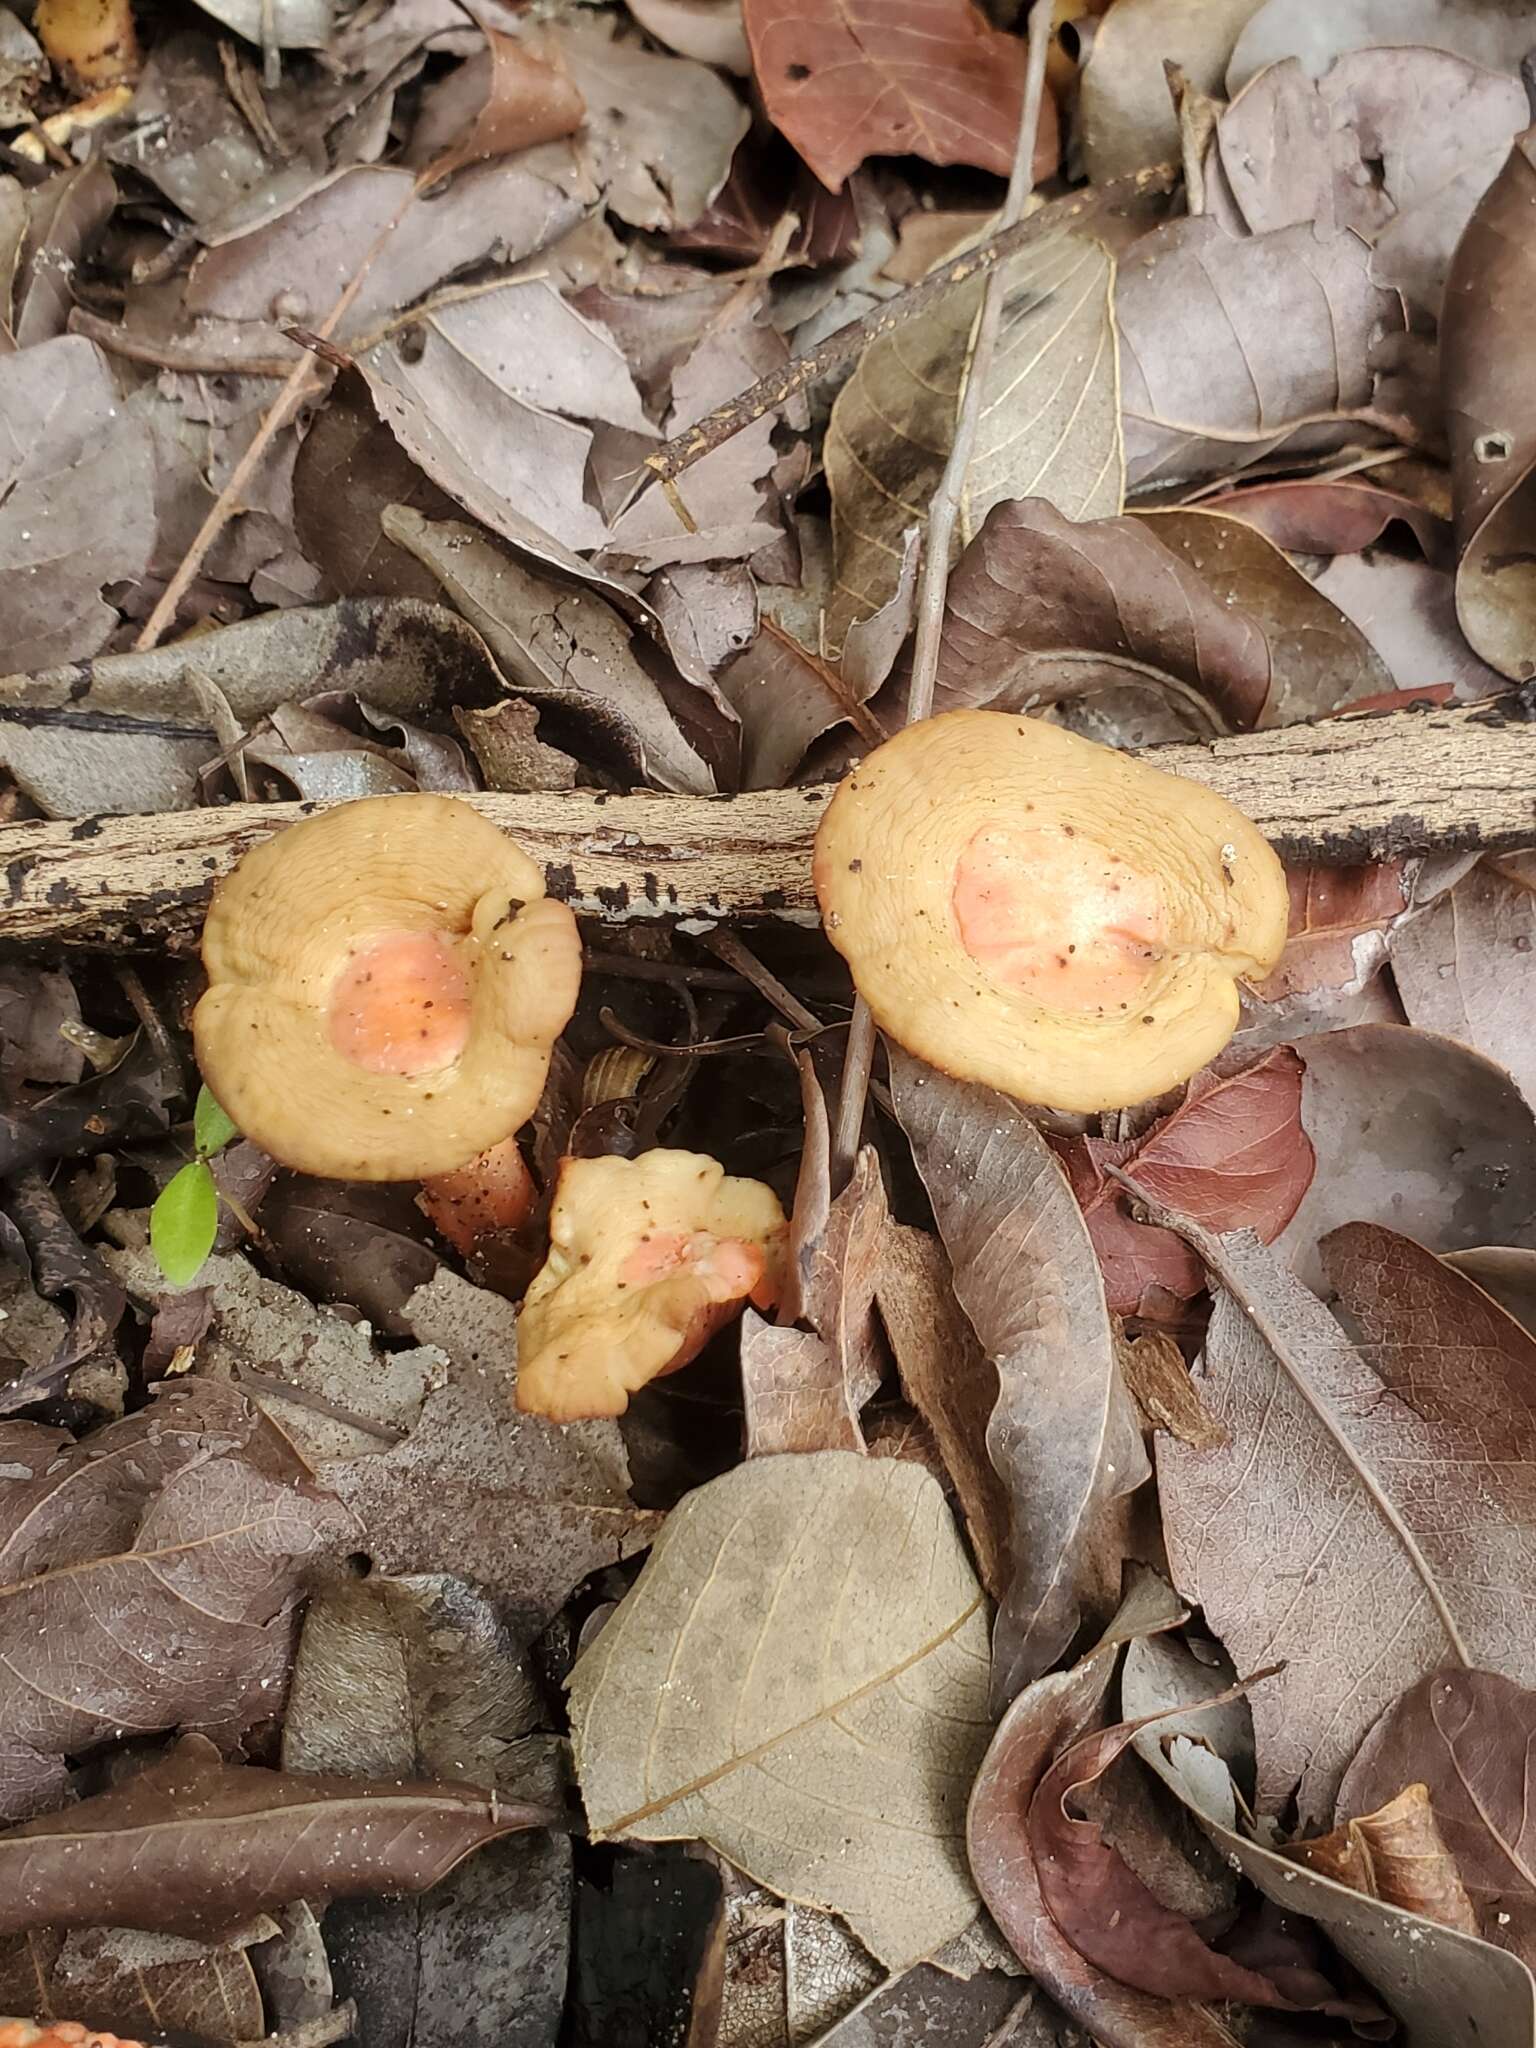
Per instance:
(1125,107)
(1047,1715)
(1465,1736)
(932,79)
(550,1505)
(495,395)
(1319,659)
(1443,1986)
(1334,516)
(504,99)
(1398,1854)
(1233,1156)
(182,1534)
(76,510)
(119,1977)
(1049,427)
(1116,1921)
(786,1757)
(1497,36)
(1490,422)
(1154,1371)
(1043,609)
(1416,1132)
(1407,610)
(1063,1435)
(1361,1541)
(348,470)
(950,1381)
(1211,382)
(562,646)
(192,1845)
(1460,968)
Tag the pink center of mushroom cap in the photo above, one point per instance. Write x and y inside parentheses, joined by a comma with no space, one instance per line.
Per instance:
(1059,917)
(401,1005)
(729,1267)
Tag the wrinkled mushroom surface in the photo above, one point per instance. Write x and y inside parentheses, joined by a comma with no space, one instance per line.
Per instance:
(385,983)
(1031,910)
(648,1257)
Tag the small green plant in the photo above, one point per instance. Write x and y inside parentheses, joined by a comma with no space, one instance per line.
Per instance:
(185,1219)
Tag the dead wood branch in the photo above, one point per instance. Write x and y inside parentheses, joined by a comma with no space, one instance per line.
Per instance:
(1345,791)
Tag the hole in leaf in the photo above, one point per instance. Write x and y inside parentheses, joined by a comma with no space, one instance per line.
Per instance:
(797,71)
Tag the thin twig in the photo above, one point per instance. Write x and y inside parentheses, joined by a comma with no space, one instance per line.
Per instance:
(115,338)
(769,393)
(943,514)
(726,946)
(300,382)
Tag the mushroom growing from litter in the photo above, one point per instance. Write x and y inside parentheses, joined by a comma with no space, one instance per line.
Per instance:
(385,982)
(1031,910)
(648,1258)
(493,1193)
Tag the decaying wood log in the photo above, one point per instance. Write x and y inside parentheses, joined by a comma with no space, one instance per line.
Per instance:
(1345,791)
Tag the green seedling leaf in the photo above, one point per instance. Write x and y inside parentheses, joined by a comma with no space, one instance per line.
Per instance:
(184,1223)
(212,1128)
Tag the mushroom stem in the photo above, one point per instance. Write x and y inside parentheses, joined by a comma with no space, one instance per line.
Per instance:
(492,1193)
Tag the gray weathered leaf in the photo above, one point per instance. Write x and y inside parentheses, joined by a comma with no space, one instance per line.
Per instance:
(1416,1132)
(560,645)
(1233,349)
(1359,1540)
(1063,1435)
(76,500)
(1125,107)
(1493,33)
(1049,427)
(1465,967)
(799,1676)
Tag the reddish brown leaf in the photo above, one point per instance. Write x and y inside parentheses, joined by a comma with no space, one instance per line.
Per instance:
(1233,1156)
(1467,1736)
(506,99)
(1339,517)
(193,1845)
(1112,1918)
(928,78)
(1332,911)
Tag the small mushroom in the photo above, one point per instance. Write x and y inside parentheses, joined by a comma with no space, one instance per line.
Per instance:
(648,1257)
(1034,911)
(385,982)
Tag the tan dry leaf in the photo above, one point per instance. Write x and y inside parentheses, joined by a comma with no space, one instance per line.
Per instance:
(1398,1854)
(799,1677)
(1049,427)
(505,99)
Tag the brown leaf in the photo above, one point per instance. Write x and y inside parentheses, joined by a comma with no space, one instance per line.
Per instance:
(1396,1853)
(1211,381)
(1154,1371)
(1336,1516)
(1491,418)
(793,1393)
(1465,1736)
(1461,969)
(76,500)
(1319,658)
(1337,943)
(192,1844)
(507,98)
(1397,145)
(349,468)
(1063,1435)
(1112,1918)
(118,1977)
(950,1381)
(522,1507)
(1042,609)
(1418,1133)
(1337,516)
(147,1578)
(935,81)
(1045,1717)
(1232,1156)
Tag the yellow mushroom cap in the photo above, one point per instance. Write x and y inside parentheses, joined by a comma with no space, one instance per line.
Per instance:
(1034,911)
(477,970)
(648,1257)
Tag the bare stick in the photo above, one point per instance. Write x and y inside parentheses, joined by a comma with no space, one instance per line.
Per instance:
(943,515)
(769,393)
(1341,792)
